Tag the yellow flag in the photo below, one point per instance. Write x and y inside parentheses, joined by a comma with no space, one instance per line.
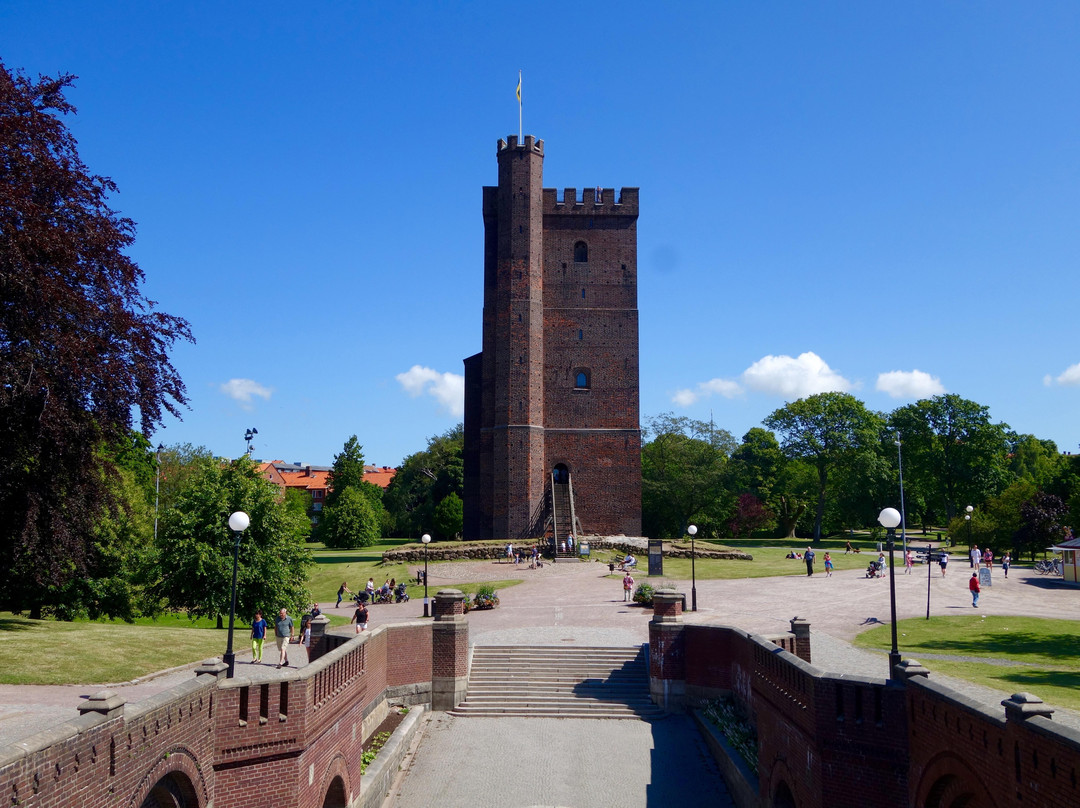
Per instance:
(519,88)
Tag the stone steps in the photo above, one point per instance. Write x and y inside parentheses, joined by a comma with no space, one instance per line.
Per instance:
(551,681)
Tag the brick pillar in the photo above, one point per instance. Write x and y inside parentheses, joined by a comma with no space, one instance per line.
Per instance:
(318,637)
(800,627)
(667,655)
(449,650)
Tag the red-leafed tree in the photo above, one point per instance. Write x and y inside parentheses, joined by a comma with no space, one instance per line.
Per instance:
(81,348)
(750,515)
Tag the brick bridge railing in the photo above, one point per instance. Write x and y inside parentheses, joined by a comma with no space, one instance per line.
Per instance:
(828,740)
(825,740)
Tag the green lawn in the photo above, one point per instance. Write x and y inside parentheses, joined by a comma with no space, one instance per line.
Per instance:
(49,652)
(768,562)
(1046,648)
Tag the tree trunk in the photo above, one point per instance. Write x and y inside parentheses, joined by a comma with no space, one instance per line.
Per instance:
(219,622)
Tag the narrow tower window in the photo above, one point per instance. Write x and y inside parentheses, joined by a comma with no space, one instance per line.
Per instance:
(581,253)
(581,379)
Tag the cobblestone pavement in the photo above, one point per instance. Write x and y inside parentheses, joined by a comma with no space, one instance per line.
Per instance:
(584,763)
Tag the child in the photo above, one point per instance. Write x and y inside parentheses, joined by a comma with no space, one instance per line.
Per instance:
(828,565)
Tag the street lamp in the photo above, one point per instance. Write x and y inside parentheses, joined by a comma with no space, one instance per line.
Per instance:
(967,518)
(889,518)
(157,488)
(426,539)
(238,523)
(903,513)
(692,530)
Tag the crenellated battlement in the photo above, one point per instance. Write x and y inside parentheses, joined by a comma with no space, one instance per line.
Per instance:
(591,201)
(530,144)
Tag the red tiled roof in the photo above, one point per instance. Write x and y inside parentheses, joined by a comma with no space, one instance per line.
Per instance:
(379,475)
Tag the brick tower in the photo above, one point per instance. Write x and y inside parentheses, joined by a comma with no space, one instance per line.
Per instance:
(552,438)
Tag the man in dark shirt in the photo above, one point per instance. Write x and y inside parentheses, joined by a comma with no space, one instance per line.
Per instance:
(360,618)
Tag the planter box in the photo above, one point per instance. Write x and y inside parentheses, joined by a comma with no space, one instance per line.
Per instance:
(742,783)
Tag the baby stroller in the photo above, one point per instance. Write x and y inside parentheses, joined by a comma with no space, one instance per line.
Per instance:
(384,595)
(876,569)
(400,595)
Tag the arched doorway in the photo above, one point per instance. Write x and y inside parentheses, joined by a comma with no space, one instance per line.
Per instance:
(783,798)
(335,794)
(174,790)
(560,474)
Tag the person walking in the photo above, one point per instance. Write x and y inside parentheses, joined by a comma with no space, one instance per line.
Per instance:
(988,558)
(973,585)
(976,557)
(907,562)
(828,565)
(627,587)
(258,636)
(283,633)
(808,557)
(943,562)
(1006,560)
(360,617)
(341,593)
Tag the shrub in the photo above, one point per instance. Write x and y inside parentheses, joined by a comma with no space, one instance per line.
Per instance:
(738,731)
(644,594)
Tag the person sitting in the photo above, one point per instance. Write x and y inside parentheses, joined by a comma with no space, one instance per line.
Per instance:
(629,562)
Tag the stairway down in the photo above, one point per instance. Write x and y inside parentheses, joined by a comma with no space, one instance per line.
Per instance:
(556,682)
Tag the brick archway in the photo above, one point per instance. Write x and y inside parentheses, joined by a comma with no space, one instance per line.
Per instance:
(948,783)
(173,782)
(334,785)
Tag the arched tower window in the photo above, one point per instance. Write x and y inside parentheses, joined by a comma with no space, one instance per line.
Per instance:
(582,379)
(581,253)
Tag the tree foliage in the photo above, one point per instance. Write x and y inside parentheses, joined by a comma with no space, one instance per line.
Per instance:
(195,545)
(81,348)
(424,480)
(353,515)
(683,466)
(1040,523)
(826,430)
(449,517)
(953,455)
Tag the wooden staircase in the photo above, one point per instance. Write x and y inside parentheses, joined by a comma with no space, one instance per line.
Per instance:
(557,682)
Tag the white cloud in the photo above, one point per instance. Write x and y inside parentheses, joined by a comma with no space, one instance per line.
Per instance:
(1070,378)
(909,384)
(243,390)
(719,387)
(447,388)
(794,378)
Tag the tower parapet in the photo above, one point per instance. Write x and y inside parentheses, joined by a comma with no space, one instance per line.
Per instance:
(623,204)
(530,144)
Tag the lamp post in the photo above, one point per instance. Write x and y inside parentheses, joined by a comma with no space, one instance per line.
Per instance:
(426,539)
(967,518)
(903,513)
(889,518)
(692,530)
(157,488)
(238,523)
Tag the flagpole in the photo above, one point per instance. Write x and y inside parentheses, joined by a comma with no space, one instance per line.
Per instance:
(520,134)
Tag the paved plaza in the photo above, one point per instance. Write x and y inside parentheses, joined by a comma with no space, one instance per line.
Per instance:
(587,764)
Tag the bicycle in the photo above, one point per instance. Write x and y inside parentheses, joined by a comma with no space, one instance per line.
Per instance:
(1045,567)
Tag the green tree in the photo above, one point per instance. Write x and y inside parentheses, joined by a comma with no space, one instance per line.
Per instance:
(826,430)
(351,522)
(953,455)
(81,347)
(683,466)
(449,516)
(345,521)
(195,545)
(1040,523)
(425,479)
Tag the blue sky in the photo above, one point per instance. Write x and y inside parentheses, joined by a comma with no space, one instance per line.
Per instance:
(874,197)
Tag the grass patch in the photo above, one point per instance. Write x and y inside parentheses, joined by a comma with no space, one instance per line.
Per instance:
(768,562)
(47,652)
(1049,665)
